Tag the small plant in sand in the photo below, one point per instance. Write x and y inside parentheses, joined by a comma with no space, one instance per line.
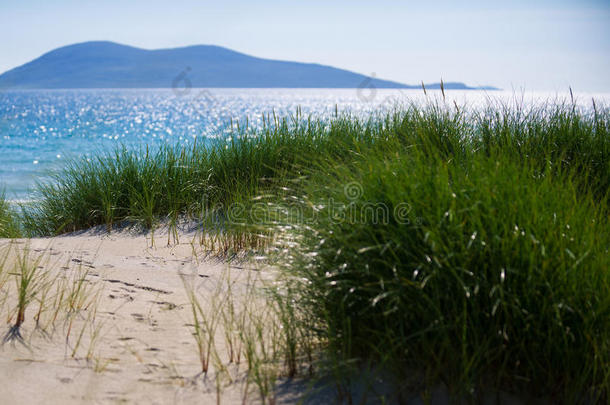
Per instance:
(27,285)
(79,294)
(260,341)
(4,276)
(259,324)
(52,296)
(205,322)
(234,317)
(92,329)
(76,296)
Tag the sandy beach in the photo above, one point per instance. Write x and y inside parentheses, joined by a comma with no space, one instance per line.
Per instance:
(138,347)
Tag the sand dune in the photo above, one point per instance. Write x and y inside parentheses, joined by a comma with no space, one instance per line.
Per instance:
(144,351)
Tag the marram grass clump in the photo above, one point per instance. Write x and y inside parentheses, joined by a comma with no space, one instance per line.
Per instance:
(465,258)
(172,182)
(206,179)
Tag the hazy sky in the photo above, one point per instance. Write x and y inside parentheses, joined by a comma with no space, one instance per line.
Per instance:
(536,45)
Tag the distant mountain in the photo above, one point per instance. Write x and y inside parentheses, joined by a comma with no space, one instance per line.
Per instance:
(104,64)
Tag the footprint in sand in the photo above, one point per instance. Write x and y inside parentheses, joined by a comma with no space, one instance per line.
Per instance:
(138,317)
(167,306)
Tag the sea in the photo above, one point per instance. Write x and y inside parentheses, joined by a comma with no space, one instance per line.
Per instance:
(40,130)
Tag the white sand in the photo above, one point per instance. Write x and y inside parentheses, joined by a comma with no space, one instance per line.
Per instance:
(146,352)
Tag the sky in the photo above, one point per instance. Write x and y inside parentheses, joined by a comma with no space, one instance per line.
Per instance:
(520,45)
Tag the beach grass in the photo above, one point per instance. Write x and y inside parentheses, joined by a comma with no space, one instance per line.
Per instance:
(9,223)
(477,273)
(38,294)
(146,186)
(468,251)
(466,248)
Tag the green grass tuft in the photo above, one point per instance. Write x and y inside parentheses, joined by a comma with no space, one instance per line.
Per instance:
(468,253)
(9,225)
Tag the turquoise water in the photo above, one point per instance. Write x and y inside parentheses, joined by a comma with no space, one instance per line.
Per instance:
(40,129)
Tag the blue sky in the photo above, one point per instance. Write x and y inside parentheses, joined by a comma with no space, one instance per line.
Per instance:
(535,45)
